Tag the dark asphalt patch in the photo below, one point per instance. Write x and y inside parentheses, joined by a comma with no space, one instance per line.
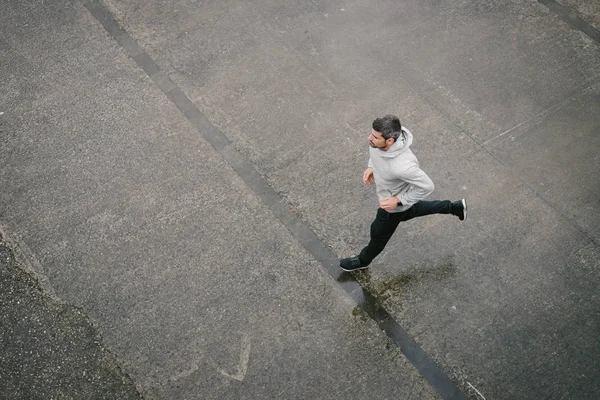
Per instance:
(260,186)
(50,350)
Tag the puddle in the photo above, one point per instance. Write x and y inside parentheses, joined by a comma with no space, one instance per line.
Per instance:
(394,286)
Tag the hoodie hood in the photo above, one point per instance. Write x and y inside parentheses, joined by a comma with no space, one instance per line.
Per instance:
(400,145)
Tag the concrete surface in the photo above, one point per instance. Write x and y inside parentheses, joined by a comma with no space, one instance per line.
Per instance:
(119,206)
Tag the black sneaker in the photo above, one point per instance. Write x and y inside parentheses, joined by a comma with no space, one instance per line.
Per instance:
(352,264)
(459,208)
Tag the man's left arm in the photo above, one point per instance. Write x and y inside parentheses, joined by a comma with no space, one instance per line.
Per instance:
(420,186)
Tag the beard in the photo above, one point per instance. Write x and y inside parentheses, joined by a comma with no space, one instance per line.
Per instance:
(373,145)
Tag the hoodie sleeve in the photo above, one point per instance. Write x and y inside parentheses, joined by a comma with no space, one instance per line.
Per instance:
(420,186)
(370,163)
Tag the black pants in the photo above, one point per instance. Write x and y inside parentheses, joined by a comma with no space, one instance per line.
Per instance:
(385,225)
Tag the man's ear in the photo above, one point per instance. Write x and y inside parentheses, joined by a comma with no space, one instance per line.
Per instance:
(389,141)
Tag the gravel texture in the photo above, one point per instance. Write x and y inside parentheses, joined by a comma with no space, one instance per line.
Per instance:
(50,350)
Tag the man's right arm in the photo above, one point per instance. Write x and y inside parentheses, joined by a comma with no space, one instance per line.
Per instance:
(368,176)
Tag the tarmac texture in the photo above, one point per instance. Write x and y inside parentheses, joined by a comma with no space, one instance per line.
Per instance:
(50,350)
(179,177)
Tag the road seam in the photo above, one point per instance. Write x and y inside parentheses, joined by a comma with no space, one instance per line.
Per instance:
(572,19)
(279,207)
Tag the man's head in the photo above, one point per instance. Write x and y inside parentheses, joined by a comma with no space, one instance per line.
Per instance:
(385,131)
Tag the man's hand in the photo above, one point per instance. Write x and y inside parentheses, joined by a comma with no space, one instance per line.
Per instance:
(388,203)
(368,176)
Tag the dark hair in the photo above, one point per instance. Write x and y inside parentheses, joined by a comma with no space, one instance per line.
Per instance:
(389,126)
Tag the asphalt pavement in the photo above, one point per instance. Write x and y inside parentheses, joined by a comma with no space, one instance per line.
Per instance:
(179,178)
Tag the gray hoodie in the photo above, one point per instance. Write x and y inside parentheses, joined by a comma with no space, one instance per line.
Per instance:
(397,173)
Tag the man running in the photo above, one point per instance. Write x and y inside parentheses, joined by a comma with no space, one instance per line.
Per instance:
(401,187)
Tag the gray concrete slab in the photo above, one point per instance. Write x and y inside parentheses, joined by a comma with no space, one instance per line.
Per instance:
(557,156)
(565,166)
(489,67)
(505,302)
(121,208)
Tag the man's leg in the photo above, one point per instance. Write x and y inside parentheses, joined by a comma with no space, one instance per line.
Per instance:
(382,229)
(385,225)
(422,208)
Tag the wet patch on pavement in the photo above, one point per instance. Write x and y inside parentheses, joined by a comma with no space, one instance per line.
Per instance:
(392,287)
